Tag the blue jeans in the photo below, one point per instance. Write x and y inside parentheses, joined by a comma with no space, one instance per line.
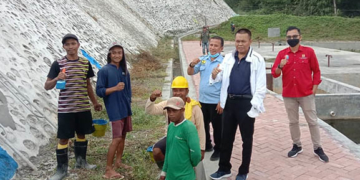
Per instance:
(205,45)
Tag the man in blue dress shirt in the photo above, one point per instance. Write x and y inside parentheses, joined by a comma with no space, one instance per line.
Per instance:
(210,93)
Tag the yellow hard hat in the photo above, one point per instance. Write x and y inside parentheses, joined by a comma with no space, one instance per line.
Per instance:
(180,82)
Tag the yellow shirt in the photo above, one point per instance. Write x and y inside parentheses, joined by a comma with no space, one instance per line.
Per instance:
(189,106)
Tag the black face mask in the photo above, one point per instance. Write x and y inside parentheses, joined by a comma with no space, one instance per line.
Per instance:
(293,42)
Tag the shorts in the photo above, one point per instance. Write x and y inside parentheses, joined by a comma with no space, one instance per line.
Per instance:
(69,123)
(121,127)
(161,144)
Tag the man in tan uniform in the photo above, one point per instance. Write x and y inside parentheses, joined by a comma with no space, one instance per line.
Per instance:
(192,112)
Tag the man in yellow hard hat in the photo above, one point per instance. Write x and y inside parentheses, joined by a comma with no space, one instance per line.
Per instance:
(192,112)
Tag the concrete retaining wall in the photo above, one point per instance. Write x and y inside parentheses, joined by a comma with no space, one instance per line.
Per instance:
(327,86)
(335,87)
(348,78)
(338,106)
(334,97)
(344,45)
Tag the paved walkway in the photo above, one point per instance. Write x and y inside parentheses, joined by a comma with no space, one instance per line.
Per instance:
(272,142)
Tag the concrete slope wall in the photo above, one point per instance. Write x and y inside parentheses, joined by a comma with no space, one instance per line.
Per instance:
(31,33)
(175,16)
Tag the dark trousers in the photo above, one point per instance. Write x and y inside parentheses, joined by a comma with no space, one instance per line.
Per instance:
(210,115)
(235,113)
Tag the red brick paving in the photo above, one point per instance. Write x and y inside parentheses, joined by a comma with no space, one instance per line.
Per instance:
(272,142)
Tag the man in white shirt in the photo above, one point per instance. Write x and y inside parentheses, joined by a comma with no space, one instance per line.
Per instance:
(243,90)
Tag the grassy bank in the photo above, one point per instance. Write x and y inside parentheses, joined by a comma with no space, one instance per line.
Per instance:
(314,28)
(147,74)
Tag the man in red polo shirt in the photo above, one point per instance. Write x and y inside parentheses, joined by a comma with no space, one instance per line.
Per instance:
(300,78)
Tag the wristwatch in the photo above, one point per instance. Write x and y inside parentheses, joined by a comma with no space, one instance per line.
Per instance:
(191,66)
(280,67)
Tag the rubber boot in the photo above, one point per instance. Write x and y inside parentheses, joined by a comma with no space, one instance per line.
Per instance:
(62,164)
(80,155)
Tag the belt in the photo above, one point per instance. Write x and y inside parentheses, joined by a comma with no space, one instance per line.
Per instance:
(236,96)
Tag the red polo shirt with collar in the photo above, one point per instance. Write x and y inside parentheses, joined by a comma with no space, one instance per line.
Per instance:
(300,73)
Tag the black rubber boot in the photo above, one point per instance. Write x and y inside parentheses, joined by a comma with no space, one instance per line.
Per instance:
(62,164)
(80,155)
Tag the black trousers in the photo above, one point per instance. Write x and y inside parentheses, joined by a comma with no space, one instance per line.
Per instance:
(211,116)
(235,113)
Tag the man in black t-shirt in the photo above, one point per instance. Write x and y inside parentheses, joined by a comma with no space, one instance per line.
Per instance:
(74,113)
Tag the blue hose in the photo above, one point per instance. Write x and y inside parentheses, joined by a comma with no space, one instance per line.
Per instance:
(90,59)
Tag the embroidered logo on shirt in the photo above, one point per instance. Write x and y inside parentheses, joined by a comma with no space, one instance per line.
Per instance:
(303,56)
(177,137)
(203,61)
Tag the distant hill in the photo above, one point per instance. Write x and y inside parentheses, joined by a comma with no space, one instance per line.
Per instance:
(312,27)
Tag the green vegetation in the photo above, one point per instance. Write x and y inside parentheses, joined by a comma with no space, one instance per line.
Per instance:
(191,37)
(146,131)
(313,28)
(347,8)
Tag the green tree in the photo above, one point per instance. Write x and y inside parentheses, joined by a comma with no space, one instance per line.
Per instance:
(348,8)
(313,7)
(276,6)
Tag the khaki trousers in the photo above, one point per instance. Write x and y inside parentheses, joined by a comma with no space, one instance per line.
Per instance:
(307,104)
